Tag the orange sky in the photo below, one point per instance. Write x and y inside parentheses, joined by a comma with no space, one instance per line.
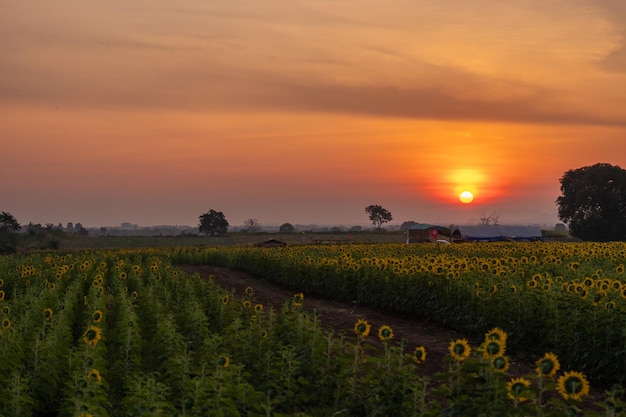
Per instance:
(153,112)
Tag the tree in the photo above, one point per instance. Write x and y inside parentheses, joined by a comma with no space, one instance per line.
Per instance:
(8,224)
(378,215)
(8,232)
(252,225)
(593,202)
(493,218)
(213,223)
(286,228)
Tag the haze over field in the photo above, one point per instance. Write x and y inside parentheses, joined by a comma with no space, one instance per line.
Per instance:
(153,112)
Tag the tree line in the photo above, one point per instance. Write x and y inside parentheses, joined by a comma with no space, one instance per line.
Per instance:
(592,203)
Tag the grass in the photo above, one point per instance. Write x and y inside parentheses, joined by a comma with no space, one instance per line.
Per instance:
(75,242)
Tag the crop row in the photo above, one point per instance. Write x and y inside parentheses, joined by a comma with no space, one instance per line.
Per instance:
(569,298)
(125,333)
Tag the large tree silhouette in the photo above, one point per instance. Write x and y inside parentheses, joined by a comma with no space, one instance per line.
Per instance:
(593,202)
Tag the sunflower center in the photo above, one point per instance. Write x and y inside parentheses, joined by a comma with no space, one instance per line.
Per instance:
(499,363)
(546,366)
(573,385)
(493,348)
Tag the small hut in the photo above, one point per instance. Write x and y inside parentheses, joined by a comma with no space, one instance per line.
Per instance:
(272,243)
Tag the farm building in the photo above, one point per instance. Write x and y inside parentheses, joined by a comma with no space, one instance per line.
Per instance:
(422,233)
(495,233)
(271,243)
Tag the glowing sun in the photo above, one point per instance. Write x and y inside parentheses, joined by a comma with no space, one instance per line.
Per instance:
(466,197)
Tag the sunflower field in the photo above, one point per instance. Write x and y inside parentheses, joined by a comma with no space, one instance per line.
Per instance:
(569,298)
(126,333)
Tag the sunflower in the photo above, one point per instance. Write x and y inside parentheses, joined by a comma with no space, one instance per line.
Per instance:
(123,275)
(134,295)
(362,328)
(2,295)
(496,334)
(419,354)
(47,314)
(531,284)
(500,363)
(1,282)
(6,310)
(6,324)
(263,334)
(258,308)
(610,305)
(493,348)
(92,335)
(225,299)
(223,361)
(548,366)
(589,282)
(298,300)
(94,375)
(619,269)
(574,266)
(572,385)
(96,316)
(385,333)
(459,349)
(249,290)
(246,304)
(516,388)
(513,289)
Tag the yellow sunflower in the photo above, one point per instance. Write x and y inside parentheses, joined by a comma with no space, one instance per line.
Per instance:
(493,347)
(572,385)
(517,389)
(2,295)
(496,334)
(47,314)
(225,299)
(419,354)
(460,349)
(548,365)
(96,316)
(362,328)
(258,308)
(385,333)
(6,324)
(249,290)
(94,375)
(500,363)
(223,361)
(298,300)
(6,310)
(92,335)
(247,304)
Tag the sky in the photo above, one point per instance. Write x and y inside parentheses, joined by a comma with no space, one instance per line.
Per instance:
(154,112)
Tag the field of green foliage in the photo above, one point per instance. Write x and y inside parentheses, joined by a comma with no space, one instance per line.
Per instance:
(126,333)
